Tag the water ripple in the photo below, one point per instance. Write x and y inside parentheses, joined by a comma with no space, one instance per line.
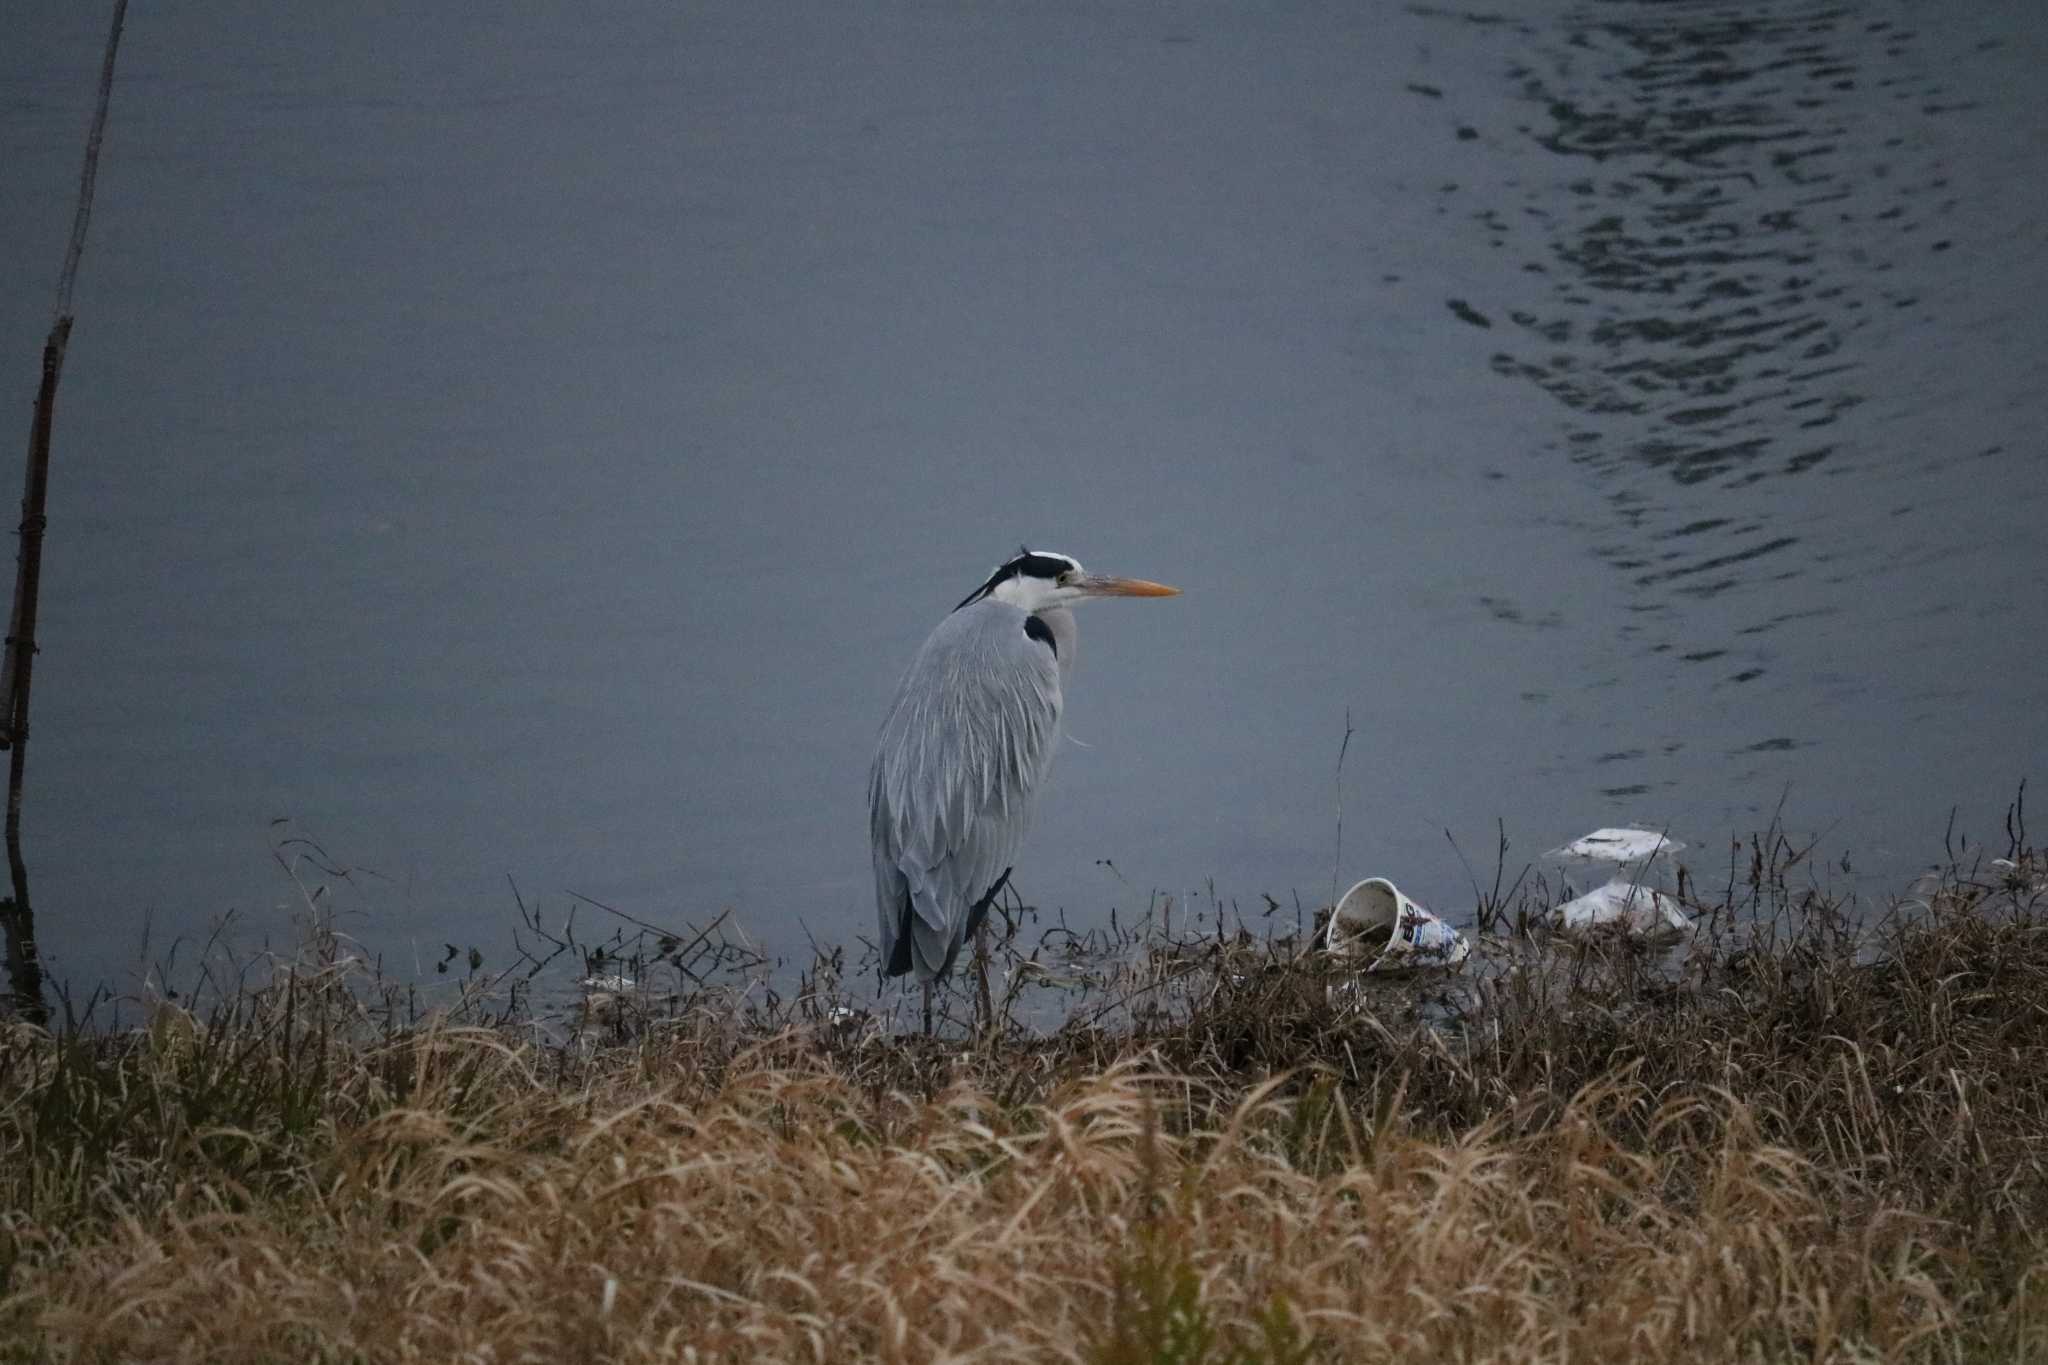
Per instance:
(1713,223)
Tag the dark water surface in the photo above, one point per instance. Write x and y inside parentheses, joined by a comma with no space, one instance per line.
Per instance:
(531,442)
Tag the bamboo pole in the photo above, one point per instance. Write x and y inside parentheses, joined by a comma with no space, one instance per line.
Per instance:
(28,577)
(17,919)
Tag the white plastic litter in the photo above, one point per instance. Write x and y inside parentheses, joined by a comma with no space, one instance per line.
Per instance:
(1640,910)
(1375,917)
(1631,900)
(1625,844)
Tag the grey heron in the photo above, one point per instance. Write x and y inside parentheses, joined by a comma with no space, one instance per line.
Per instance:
(966,746)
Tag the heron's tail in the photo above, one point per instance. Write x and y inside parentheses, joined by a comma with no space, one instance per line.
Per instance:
(899,948)
(925,936)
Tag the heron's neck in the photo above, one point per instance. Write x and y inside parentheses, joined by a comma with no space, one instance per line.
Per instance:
(1066,637)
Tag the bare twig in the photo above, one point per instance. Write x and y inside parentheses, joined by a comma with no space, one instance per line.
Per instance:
(688,949)
(1337,859)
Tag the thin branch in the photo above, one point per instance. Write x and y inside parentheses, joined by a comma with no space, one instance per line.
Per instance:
(1337,859)
(68,276)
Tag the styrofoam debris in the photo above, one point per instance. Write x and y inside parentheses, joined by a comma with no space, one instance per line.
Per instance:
(1624,844)
(1639,910)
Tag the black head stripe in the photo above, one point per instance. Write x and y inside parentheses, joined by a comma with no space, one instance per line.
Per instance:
(1040,566)
(1040,631)
(1034,565)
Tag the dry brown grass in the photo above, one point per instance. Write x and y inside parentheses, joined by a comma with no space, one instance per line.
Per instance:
(779,1214)
(1820,1148)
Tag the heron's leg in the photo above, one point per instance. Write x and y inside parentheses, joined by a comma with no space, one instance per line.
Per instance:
(980,908)
(927,1009)
(977,929)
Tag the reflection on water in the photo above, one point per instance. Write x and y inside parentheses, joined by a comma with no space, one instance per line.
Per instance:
(1690,266)
(1725,242)
(1728,216)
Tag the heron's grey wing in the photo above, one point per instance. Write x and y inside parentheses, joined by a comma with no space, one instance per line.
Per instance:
(968,739)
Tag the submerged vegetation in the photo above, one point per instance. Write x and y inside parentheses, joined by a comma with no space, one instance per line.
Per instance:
(1792,1139)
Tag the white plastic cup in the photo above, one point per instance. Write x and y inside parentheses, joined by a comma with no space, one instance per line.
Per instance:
(1416,939)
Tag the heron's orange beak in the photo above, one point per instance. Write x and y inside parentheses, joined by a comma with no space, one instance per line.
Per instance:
(1108,585)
